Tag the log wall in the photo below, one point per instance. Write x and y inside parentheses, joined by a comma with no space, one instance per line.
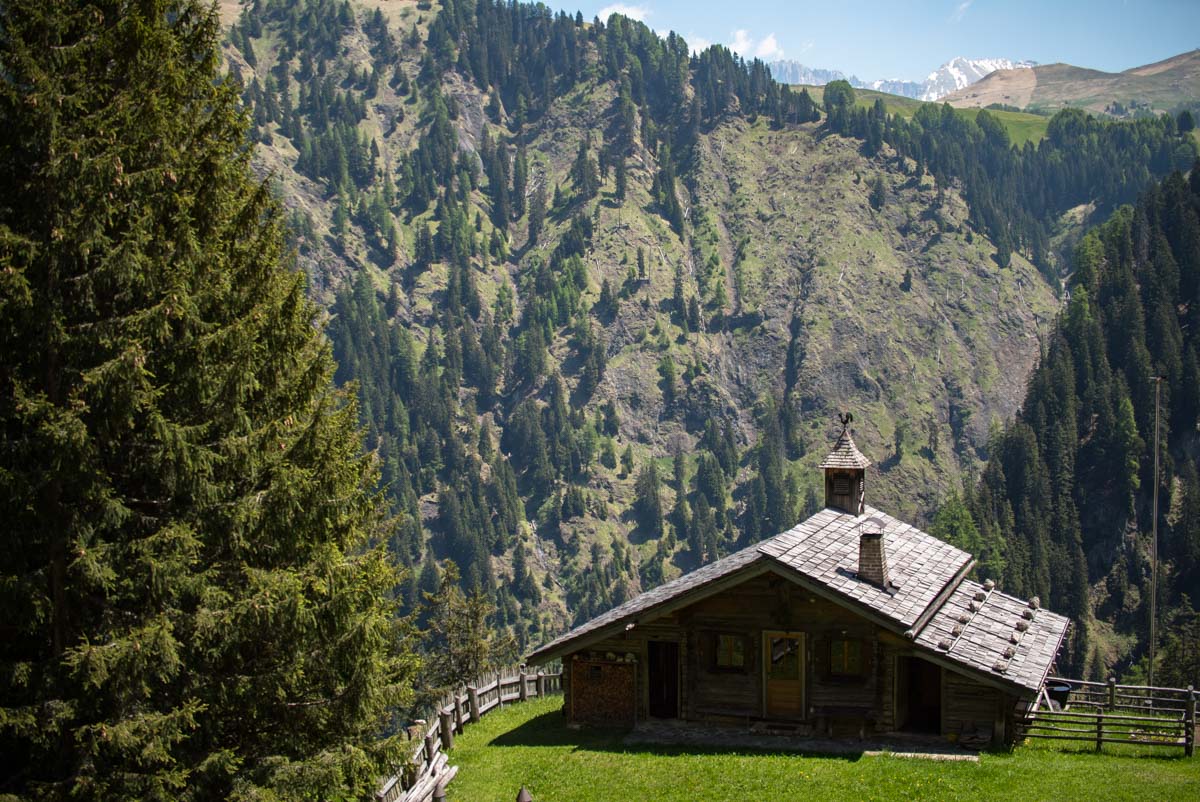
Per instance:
(837,705)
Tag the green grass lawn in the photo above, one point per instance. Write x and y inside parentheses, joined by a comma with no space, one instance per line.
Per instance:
(529,745)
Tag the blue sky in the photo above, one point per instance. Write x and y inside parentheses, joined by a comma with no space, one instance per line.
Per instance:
(908,39)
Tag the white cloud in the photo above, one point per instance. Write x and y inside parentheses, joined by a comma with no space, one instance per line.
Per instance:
(742,43)
(960,11)
(638,13)
(697,44)
(746,45)
(768,48)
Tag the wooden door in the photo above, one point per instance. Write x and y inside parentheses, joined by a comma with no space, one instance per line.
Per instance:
(783,674)
(918,695)
(663,679)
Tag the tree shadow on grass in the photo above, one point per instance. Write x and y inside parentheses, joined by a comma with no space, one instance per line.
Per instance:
(550,730)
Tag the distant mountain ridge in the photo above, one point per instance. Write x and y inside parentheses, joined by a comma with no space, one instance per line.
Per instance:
(1168,85)
(956,74)
(789,71)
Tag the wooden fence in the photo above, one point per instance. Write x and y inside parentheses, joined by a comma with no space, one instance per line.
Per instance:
(1108,713)
(429,771)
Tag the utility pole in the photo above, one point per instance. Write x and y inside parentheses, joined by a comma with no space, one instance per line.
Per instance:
(1158,380)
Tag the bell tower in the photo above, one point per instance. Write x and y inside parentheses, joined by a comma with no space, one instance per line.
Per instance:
(845,472)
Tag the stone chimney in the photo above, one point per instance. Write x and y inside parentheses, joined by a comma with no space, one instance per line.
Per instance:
(845,472)
(872,558)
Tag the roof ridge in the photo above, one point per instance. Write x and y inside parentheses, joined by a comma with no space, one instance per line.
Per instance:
(941,598)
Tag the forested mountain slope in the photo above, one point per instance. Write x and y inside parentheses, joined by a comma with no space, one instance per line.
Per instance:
(601,297)
(1064,508)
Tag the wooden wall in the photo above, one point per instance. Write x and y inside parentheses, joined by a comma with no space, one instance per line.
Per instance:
(970,710)
(633,644)
(833,704)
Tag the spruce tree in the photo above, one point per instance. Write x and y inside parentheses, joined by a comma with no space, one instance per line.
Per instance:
(191,569)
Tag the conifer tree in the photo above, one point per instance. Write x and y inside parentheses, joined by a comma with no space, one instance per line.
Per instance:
(462,640)
(191,566)
(537,213)
(647,501)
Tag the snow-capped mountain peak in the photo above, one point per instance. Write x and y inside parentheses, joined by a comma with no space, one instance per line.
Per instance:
(960,72)
(955,74)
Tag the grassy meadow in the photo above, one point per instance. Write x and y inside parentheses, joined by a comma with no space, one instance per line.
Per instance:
(1022,127)
(530,745)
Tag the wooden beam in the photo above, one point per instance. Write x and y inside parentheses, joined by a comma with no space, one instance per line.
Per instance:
(939,600)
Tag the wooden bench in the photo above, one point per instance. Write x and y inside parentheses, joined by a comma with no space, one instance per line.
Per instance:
(827,715)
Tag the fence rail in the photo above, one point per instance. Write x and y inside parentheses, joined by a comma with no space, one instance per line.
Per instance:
(1108,713)
(429,771)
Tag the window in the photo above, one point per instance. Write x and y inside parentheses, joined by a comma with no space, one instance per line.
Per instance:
(841,485)
(784,653)
(845,658)
(730,652)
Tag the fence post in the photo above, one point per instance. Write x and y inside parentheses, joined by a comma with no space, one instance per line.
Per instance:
(541,683)
(1112,693)
(458,713)
(523,690)
(473,703)
(447,729)
(429,748)
(1099,730)
(1189,718)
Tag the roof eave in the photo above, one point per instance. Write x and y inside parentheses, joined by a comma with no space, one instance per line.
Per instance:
(560,647)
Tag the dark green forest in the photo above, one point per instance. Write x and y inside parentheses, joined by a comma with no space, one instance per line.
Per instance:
(1064,507)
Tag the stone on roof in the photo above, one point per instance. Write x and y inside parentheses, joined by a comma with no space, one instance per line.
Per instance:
(845,454)
(997,633)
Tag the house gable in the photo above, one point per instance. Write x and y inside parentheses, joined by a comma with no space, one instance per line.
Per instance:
(655,603)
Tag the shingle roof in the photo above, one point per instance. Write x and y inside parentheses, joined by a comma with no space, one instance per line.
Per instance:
(994,632)
(825,549)
(977,627)
(845,454)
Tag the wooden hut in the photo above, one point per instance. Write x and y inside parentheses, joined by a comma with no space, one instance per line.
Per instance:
(851,623)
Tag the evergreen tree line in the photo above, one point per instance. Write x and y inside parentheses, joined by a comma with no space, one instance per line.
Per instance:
(1063,509)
